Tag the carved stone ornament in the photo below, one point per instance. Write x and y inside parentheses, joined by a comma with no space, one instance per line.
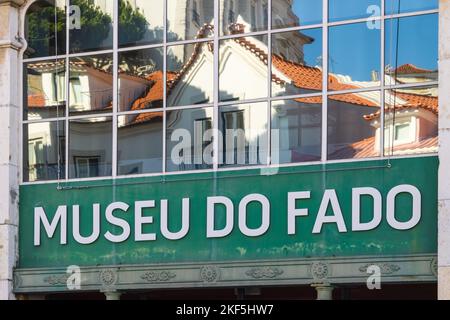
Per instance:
(209,273)
(320,270)
(108,277)
(56,280)
(264,273)
(434,266)
(385,268)
(158,276)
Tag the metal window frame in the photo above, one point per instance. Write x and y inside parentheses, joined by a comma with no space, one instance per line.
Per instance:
(216,38)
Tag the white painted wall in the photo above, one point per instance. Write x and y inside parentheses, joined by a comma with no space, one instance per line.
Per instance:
(9,142)
(444,152)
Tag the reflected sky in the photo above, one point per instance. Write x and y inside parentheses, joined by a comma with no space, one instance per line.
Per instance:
(417,41)
(350,9)
(305,11)
(403,6)
(354,51)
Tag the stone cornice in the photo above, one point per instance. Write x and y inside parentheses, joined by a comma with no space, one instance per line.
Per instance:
(345,270)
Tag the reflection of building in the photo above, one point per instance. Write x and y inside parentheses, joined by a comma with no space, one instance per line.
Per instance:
(412,130)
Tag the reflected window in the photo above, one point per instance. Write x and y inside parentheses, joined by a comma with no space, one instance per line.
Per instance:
(140,143)
(189,140)
(354,57)
(243,135)
(45,29)
(411,120)
(404,6)
(91,84)
(297,62)
(187,20)
(141,22)
(90,151)
(351,133)
(45,95)
(44,146)
(190,74)
(95,28)
(411,49)
(353,9)
(243,68)
(296,130)
(141,79)
(242,16)
(295,13)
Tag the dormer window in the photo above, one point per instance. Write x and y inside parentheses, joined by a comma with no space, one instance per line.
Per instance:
(402,133)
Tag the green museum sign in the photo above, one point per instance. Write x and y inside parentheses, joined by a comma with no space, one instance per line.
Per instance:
(367,208)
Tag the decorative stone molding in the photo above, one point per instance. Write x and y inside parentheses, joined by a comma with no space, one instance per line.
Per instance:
(231,274)
(108,277)
(385,268)
(320,270)
(158,276)
(264,273)
(209,273)
(434,266)
(17,281)
(57,280)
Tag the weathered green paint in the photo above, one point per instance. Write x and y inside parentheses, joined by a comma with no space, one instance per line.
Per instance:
(274,245)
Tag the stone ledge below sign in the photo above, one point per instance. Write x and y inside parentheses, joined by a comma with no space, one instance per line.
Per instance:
(417,268)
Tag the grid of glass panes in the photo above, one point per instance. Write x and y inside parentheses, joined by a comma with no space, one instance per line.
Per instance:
(132,87)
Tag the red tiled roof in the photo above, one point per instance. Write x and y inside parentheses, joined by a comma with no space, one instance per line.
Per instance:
(144,117)
(414,101)
(410,69)
(36,101)
(306,77)
(366,148)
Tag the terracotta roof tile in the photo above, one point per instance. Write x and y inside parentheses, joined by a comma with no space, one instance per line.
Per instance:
(145,117)
(36,101)
(410,69)
(366,148)
(413,101)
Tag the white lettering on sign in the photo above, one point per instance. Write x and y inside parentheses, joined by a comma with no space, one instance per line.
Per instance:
(252,213)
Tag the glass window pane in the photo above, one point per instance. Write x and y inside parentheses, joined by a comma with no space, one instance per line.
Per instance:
(91,84)
(90,147)
(44,36)
(189,139)
(353,9)
(190,74)
(44,87)
(243,68)
(404,6)
(140,143)
(411,120)
(141,79)
(244,136)
(297,62)
(242,16)
(354,57)
(140,22)
(351,134)
(44,149)
(296,13)
(412,49)
(91,26)
(296,130)
(189,19)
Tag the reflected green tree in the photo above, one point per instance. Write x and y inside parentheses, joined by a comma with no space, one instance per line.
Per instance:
(43,31)
(132,23)
(95,26)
